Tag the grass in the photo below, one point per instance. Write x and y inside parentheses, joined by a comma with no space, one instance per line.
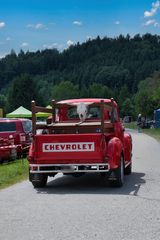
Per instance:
(131,125)
(153,132)
(13,172)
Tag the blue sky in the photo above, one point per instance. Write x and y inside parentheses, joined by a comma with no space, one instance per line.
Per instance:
(39,24)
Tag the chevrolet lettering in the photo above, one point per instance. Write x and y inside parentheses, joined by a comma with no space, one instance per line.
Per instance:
(69,147)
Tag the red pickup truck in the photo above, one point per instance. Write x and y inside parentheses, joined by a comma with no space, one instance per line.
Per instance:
(84,135)
(19,132)
(7,150)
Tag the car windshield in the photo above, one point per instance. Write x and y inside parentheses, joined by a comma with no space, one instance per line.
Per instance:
(7,127)
(27,126)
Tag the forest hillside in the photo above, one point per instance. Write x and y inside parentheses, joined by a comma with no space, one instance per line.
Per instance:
(126,68)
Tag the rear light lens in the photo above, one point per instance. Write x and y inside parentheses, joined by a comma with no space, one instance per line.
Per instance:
(34,168)
(22,138)
(11,139)
(30,137)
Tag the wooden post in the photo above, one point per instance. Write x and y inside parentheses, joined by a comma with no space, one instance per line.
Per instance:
(112,111)
(102,116)
(33,106)
(53,111)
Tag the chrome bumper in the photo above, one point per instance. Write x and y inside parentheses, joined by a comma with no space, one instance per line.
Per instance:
(69,168)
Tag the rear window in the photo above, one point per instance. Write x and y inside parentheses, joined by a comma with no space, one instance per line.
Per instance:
(93,112)
(7,127)
(27,126)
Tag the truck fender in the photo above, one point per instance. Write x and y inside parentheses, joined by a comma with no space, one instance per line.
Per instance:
(114,151)
(127,147)
(31,154)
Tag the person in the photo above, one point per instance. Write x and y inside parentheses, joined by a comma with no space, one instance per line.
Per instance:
(139,122)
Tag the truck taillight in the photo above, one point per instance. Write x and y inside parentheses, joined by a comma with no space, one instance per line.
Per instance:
(11,139)
(22,138)
(30,137)
(34,168)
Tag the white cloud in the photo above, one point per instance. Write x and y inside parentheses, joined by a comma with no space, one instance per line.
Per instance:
(154,9)
(149,14)
(69,43)
(53,45)
(2,24)
(3,55)
(50,46)
(37,26)
(40,26)
(150,22)
(24,44)
(117,22)
(89,37)
(78,23)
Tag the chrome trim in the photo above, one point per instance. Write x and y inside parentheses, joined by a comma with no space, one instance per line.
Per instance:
(96,167)
(127,164)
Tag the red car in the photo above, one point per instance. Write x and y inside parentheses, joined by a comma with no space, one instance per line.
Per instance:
(85,135)
(19,132)
(7,150)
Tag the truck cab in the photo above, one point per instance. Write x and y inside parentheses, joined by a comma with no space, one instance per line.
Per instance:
(83,135)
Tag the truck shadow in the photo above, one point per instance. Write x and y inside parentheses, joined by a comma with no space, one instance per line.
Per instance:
(92,184)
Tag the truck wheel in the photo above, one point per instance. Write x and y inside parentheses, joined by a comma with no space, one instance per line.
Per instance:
(24,155)
(1,160)
(38,180)
(119,175)
(128,169)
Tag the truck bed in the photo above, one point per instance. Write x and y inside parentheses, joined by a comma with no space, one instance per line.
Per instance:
(68,149)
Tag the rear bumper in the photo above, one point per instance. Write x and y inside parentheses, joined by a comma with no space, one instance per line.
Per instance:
(69,168)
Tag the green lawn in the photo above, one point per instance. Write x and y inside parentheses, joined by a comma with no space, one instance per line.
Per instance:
(153,132)
(13,172)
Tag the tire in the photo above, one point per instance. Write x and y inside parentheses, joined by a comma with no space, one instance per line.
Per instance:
(128,169)
(119,175)
(38,180)
(1,160)
(24,155)
(19,155)
(13,154)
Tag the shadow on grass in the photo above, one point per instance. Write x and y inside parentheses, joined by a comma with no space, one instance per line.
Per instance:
(92,184)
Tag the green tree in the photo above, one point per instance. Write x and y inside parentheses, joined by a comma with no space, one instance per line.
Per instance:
(97,90)
(65,90)
(22,91)
(144,103)
(3,101)
(123,94)
(127,108)
(147,98)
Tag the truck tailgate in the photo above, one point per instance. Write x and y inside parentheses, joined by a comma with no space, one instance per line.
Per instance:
(72,148)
